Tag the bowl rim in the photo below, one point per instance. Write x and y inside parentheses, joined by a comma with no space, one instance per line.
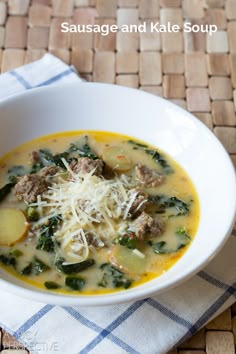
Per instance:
(120,296)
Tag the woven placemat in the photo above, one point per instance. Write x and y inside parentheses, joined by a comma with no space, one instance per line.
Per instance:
(195,70)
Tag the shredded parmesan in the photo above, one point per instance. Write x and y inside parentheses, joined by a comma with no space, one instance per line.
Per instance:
(86,203)
(138,253)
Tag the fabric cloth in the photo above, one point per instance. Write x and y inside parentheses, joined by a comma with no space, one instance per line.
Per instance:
(47,71)
(149,326)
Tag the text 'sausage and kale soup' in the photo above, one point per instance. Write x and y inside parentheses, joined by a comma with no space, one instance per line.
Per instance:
(91,213)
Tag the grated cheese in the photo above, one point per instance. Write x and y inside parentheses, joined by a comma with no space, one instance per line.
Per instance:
(86,203)
(138,253)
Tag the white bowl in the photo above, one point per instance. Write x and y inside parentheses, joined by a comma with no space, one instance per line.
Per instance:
(154,120)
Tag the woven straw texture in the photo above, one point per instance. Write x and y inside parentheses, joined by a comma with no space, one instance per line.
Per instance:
(195,70)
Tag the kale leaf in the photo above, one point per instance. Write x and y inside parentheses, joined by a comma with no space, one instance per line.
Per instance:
(178,207)
(5,190)
(46,158)
(16,253)
(162,247)
(45,244)
(83,149)
(159,159)
(138,145)
(127,239)
(37,266)
(75,283)
(183,237)
(156,156)
(27,270)
(113,277)
(45,240)
(17,171)
(50,285)
(8,260)
(73,268)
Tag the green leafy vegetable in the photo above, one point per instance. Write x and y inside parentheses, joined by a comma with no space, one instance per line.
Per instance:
(58,159)
(51,285)
(113,277)
(83,150)
(183,237)
(8,260)
(137,144)
(17,171)
(46,244)
(163,247)
(28,270)
(128,240)
(46,240)
(51,226)
(46,158)
(72,148)
(13,172)
(75,283)
(73,268)
(36,167)
(5,190)
(159,159)
(16,253)
(13,179)
(156,156)
(39,266)
(178,207)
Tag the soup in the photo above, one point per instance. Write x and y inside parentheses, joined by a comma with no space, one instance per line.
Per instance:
(93,212)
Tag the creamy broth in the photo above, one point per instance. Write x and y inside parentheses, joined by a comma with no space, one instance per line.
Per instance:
(120,255)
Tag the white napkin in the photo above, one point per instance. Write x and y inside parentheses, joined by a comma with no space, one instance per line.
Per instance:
(149,326)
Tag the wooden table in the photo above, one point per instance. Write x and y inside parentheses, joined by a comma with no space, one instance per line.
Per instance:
(195,70)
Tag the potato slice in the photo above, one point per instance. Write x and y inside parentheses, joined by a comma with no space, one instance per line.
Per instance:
(115,158)
(13,226)
(126,260)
